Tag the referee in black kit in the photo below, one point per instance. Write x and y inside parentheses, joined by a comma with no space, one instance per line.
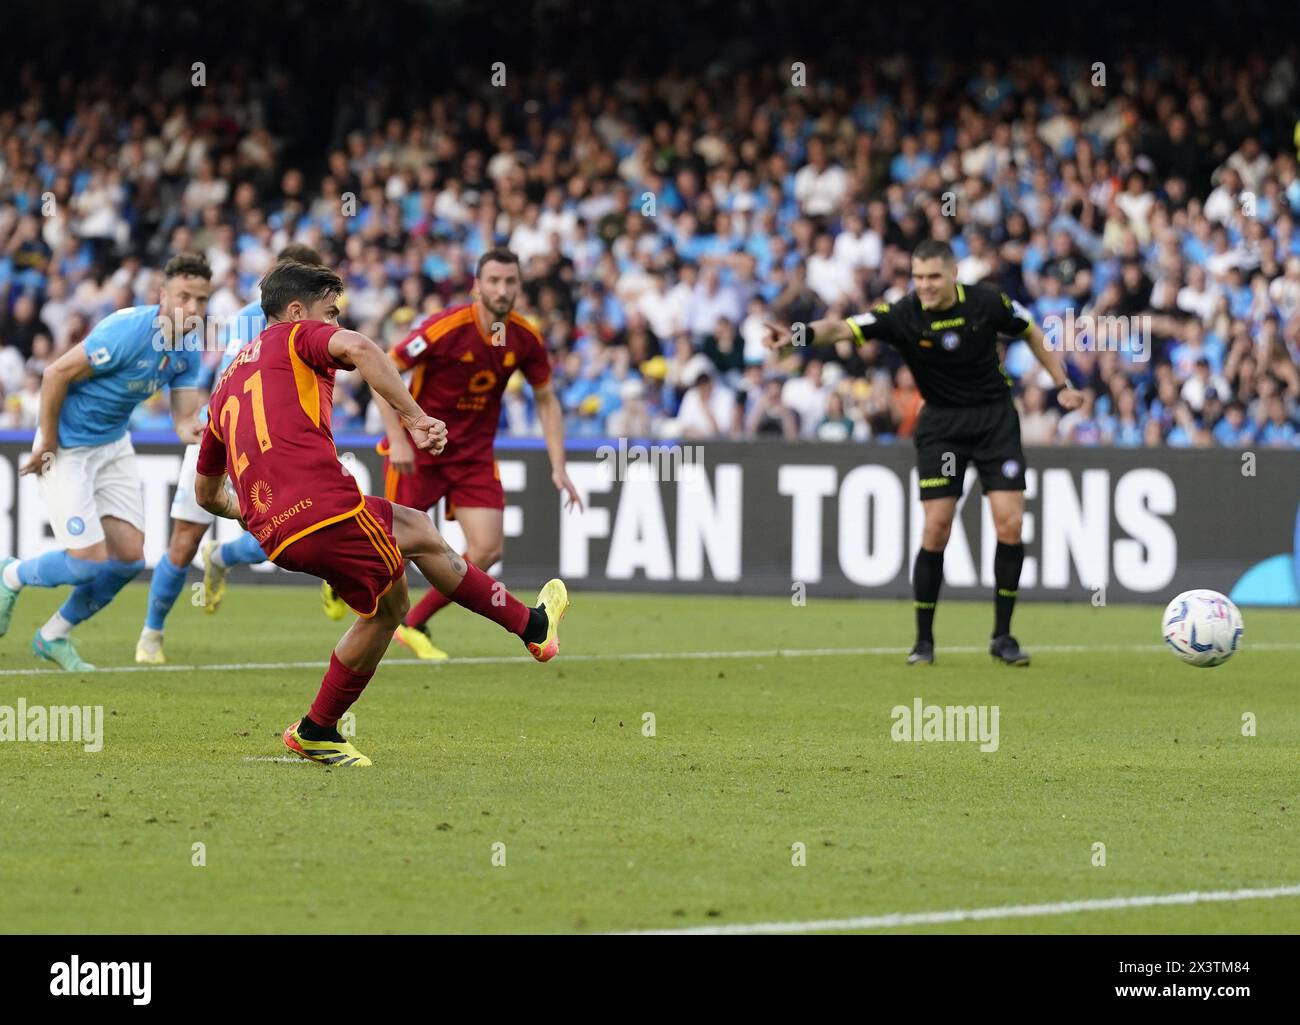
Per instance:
(947,335)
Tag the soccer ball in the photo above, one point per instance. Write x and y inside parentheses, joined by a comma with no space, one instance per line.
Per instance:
(1203,628)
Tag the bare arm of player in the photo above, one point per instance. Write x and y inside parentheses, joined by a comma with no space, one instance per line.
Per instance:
(212,494)
(550,415)
(1068,397)
(73,365)
(401,457)
(377,370)
(186,403)
(820,332)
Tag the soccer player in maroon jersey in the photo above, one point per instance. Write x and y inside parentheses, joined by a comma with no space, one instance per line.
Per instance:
(269,429)
(461,359)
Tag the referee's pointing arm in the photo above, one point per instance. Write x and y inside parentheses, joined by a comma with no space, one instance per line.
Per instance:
(827,331)
(862,326)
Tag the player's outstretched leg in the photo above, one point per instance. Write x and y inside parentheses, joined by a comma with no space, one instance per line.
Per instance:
(219,558)
(352,664)
(468,586)
(484,529)
(1008,512)
(166,586)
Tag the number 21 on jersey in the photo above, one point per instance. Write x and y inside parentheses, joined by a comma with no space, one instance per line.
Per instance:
(230,422)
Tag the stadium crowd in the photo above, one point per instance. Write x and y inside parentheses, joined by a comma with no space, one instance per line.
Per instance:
(660,220)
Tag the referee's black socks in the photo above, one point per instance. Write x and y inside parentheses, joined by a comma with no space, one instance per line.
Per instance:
(1007,560)
(927,577)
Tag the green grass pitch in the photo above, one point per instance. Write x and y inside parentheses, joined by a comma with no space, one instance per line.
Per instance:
(1106,739)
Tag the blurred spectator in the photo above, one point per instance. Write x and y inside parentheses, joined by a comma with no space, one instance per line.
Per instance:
(770,415)
(23,407)
(708,409)
(1125,428)
(807,396)
(725,349)
(1081,426)
(1277,430)
(836,425)
(1038,424)
(21,324)
(632,418)
(820,185)
(905,403)
(1234,430)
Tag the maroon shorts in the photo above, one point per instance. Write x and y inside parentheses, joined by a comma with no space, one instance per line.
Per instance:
(357,556)
(469,485)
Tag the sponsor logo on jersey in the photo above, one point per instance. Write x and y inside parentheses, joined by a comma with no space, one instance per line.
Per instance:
(482,381)
(261,495)
(282,517)
(939,325)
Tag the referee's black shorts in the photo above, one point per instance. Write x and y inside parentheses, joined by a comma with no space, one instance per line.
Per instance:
(950,437)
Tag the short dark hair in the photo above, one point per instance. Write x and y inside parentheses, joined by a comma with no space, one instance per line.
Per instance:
(289,281)
(930,248)
(296,252)
(192,265)
(497,255)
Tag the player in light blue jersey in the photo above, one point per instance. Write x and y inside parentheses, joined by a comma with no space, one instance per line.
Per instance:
(82,453)
(190,521)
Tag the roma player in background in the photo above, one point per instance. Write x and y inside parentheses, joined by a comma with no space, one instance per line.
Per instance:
(461,359)
(269,429)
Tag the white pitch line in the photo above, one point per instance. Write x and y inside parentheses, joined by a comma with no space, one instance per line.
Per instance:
(896,921)
(636,656)
(291,759)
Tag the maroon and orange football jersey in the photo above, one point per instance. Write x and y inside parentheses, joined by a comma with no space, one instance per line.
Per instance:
(269,429)
(460,374)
